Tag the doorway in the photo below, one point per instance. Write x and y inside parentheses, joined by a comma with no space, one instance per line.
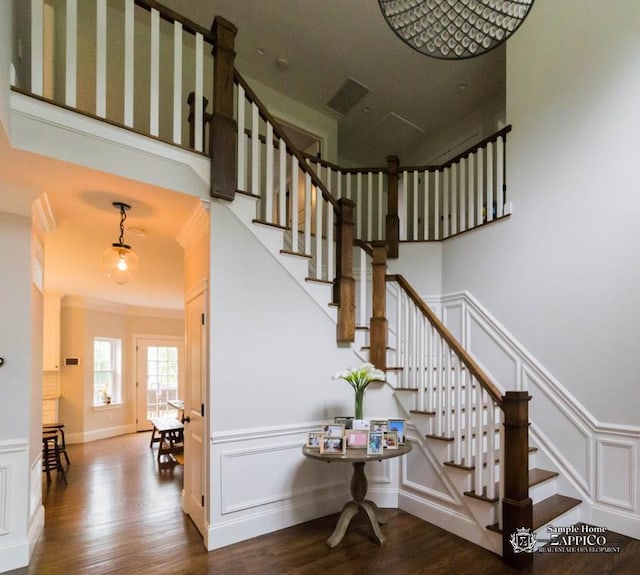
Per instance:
(159,377)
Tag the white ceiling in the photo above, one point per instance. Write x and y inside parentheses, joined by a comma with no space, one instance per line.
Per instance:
(413,98)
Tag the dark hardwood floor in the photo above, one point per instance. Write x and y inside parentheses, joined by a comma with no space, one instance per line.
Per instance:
(119,515)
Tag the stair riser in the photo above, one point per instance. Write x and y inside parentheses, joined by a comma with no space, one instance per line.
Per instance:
(543,490)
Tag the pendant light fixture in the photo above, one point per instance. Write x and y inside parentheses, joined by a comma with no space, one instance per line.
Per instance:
(454,29)
(120,260)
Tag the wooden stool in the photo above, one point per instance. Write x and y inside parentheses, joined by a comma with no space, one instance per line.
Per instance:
(51,454)
(62,446)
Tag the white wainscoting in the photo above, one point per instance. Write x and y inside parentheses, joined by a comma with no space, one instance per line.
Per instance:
(103,433)
(21,512)
(261,482)
(598,462)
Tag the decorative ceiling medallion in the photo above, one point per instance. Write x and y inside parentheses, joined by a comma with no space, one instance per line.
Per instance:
(454,29)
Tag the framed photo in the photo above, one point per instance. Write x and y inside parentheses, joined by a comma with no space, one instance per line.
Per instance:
(398,426)
(391,440)
(332,445)
(346,421)
(362,424)
(333,429)
(314,439)
(375,443)
(357,439)
(379,425)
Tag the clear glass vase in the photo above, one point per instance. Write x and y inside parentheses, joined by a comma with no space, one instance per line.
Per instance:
(359,403)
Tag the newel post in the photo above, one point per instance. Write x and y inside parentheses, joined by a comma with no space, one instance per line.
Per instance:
(344,286)
(223,131)
(517,508)
(392,221)
(378,326)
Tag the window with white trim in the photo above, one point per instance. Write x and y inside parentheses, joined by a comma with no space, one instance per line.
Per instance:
(107,370)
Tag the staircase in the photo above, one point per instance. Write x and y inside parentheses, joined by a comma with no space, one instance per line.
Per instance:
(307,214)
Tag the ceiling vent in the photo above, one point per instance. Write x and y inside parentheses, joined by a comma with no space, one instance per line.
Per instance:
(349,94)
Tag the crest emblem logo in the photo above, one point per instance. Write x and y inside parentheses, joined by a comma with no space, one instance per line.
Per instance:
(523,541)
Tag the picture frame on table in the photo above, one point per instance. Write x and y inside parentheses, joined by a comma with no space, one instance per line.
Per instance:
(399,426)
(333,429)
(375,443)
(336,445)
(379,425)
(314,439)
(360,424)
(357,438)
(347,421)
(391,440)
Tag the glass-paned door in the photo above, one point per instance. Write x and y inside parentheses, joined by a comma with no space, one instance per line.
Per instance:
(159,369)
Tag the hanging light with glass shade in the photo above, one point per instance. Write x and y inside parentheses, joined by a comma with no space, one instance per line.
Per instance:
(454,29)
(120,260)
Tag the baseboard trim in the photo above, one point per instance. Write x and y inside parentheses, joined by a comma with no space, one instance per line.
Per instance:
(446,519)
(104,433)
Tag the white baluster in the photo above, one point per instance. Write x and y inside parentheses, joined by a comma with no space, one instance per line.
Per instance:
(492,425)
(255,150)
(319,208)
(407,343)
(128,62)
(339,184)
(359,206)
(454,199)
(177,89)
(363,288)
(294,204)
(369,206)
(154,87)
(446,213)
(480,187)
(71,68)
(430,374)
(349,177)
(199,112)
(307,213)
(471,189)
(448,397)
(490,194)
(436,205)
(422,366)
(425,175)
(468,416)
(399,339)
(381,207)
(478,476)
(438,366)
(463,195)
(330,245)
(500,176)
(416,210)
(269,174)
(458,379)
(101,58)
(282,193)
(37,47)
(242,150)
(402,206)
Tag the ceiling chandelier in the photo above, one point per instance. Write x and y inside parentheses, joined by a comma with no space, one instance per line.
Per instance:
(454,29)
(120,260)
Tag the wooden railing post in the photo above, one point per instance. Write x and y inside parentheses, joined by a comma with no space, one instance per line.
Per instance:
(517,508)
(392,221)
(344,286)
(379,325)
(223,126)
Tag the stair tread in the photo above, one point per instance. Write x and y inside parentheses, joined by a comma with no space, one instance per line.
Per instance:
(271,225)
(547,510)
(536,476)
(463,436)
(297,254)
(319,281)
(484,455)
(453,410)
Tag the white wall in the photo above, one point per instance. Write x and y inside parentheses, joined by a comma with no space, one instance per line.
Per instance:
(6,35)
(561,275)
(20,304)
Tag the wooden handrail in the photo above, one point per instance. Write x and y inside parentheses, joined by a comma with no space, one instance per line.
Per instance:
(453,343)
(171,16)
(302,163)
(366,246)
